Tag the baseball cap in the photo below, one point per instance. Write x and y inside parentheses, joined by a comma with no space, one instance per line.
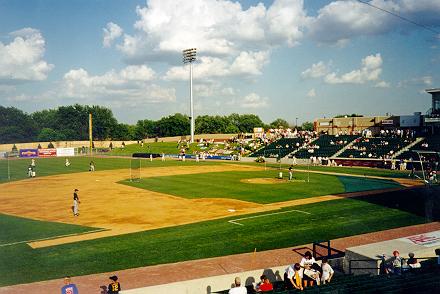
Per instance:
(113,278)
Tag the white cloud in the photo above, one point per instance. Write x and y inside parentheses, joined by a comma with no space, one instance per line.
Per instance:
(425,81)
(253,100)
(131,84)
(370,71)
(317,70)
(214,27)
(311,93)
(382,84)
(22,59)
(340,21)
(111,32)
(246,64)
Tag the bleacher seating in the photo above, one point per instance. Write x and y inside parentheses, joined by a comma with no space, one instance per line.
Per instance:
(424,280)
(325,146)
(430,143)
(377,147)
(281,148)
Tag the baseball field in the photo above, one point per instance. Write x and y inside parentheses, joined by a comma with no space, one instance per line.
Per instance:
(176,211)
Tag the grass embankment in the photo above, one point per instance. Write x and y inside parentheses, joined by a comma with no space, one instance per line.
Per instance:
(18,168)
(328,220)
(163,147)
(232,184)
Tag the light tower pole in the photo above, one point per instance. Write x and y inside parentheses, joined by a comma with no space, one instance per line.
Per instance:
(189,56)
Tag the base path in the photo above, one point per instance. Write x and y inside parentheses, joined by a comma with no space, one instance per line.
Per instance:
(188,270)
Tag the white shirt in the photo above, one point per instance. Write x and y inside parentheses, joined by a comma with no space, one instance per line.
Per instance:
(326,271)
(238,290)
(305,261)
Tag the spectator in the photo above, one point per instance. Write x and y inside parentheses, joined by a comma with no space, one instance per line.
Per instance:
(114,287)
(327,271)
(238,289)
(265,284)
(412,262)
(394,263)
(309,275)
(68,287)
(292,277)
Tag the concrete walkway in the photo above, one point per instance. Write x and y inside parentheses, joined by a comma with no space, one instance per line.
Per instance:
(188,270)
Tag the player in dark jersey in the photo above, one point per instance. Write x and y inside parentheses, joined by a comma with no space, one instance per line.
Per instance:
(114,287)
(76,203)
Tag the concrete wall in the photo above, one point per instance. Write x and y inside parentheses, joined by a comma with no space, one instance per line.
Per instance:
(105,144)
(211,284)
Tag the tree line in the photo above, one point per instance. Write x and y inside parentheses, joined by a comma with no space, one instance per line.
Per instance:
(67,123)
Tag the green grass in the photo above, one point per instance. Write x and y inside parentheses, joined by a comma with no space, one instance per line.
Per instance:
(229,185)
(328,220)
(361,171)
(54,166)
(18,229)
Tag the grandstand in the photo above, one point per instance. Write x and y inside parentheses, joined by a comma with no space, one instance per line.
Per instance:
(430,143)
(377,147)
(281,148)
(325,146)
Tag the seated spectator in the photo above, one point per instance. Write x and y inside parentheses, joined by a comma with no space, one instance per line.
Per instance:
(412,262)
(327,271)
(394,264)
(114,287)
(292,277)
(238,289)
(265,284)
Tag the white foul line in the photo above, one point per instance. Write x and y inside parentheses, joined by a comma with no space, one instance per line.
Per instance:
(53,237)
(234,221)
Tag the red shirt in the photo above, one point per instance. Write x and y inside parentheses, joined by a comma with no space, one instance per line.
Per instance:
(266,287)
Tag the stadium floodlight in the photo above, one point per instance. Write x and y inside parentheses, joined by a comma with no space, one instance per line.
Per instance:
(189,56)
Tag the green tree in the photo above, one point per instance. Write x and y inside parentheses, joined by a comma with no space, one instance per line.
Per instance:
(16,126)
(103,121)
(173,125)
(48,134)
(145,129)
(247,123)
(207,124)
(307,126)
(279,122)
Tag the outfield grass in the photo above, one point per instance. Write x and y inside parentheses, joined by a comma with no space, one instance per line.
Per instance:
(328,220)
(361,171)
(53,166)
(230,185)
(18,229)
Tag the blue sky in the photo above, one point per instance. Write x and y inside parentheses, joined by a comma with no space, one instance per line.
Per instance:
(283,58)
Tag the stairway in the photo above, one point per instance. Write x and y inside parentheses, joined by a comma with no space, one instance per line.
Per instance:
(408,147)
(344,148)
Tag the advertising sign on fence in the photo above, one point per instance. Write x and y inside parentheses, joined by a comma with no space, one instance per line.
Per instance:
(28,153)
(65,152)
(47,152)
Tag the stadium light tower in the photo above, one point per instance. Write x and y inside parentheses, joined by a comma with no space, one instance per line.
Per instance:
(189,56)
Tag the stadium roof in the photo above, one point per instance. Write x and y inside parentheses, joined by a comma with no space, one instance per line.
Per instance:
(433,90)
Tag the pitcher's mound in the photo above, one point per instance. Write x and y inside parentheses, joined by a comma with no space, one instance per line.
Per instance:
(264,181)
(270,181)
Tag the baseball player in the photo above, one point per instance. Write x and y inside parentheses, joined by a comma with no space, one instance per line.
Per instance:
(76,203)
(290,173)
(67,162)
(92,166)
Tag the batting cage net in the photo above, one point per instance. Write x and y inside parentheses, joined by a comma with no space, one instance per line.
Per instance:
(135,169)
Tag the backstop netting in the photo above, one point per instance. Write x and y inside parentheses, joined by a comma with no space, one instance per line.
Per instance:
(135,169)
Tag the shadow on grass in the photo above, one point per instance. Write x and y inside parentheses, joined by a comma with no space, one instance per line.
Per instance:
(423,201)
